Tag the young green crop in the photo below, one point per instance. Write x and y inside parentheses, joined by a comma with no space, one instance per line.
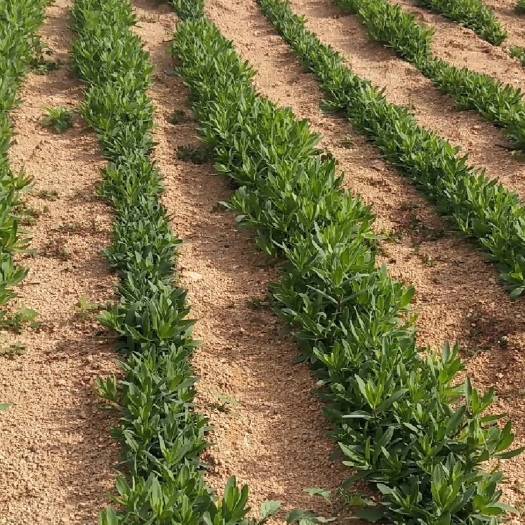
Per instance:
(480,208)
(162,435)
(472,14)
(389,24)
(520,6)
(415,433)
(59,119)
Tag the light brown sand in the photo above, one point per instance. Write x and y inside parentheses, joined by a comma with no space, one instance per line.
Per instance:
(56,455)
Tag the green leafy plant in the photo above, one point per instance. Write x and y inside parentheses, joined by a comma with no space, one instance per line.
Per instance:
(417,433)
(13,350)
(161,434)
(18,44)
(49,195)
(473,14)
(480,208)
(518,52)
(59,119)
(520,6)
(389,24)
(193,154)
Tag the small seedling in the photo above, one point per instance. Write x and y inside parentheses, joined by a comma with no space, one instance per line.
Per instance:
(179,116)
(347,142)
(59,119)
(57,249)
(16,321)
(518,52)
(257,304)
(48,195)
(87,308)
(69,227)
(196,155)
(27,214)
(13,350)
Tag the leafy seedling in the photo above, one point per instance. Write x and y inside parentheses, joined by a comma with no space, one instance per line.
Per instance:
(59,118)
(194,154)
(13,350)
(16,321)
(179,116)
(87,308)
(48,195)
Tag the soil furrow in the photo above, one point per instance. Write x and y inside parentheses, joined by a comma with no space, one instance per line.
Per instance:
(269,429)
(513,22)
(458,295)
(55,448)
(464,48)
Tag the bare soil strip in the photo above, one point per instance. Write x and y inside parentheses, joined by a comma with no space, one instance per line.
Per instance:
(514,23)
(458,296)
(269,429)
(56,453)
(463,47)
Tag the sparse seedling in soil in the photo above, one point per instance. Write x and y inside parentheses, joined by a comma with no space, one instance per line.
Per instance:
(59,119)
(87,308)
(179,116)
(48,195)
(194,154)
(13,350)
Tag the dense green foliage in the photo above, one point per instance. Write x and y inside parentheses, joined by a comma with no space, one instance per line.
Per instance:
(161,434)
(389,24)
(520,6)
(402,421)
(480,208)
(472,14)
(19,21)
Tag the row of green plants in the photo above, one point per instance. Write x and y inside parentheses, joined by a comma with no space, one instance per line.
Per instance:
(389,24)
(19,21)
(403,420)
(481,209)
(473,14)
(161,433)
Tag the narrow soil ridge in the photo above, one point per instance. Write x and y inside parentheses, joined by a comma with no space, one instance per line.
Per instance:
(458,295)
(55,449)
(269,429)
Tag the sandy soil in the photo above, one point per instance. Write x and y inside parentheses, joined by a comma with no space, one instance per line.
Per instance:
(56,455)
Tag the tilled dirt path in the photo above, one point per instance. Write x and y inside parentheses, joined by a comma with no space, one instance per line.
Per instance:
(56,455)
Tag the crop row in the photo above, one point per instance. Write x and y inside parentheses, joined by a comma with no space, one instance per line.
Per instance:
(401,419)
(391,25)
(480,208)
(19,21)
(473,14)
(161,434)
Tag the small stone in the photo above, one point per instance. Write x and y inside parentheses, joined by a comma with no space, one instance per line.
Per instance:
(194,276)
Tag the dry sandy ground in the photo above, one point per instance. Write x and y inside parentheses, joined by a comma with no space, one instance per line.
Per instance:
(272,435)
(56,456)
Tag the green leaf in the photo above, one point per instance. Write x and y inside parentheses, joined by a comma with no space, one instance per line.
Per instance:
(269,508)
